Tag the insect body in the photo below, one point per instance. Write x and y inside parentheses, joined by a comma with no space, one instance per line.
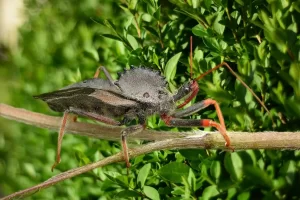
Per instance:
(137,94)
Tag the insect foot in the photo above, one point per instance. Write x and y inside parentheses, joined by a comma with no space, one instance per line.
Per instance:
(131,130)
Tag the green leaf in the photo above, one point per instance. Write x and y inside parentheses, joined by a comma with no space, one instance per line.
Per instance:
(156,14)
(212,44)
(114,37)
(207,4)
(119,179)
(289,170)
(258,177)
(127,194)
(92,53)
(234,165)
(192,181)
(210,192)
(143,174)
(82,158)
(193,154)
(174,171)
(151,30)
(200,31)
(151,192)
(244,196)
(132,41)
(219,28)
(132,4)
(171,66)
(215,170)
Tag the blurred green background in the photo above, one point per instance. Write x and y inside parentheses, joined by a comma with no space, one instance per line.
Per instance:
(62,42)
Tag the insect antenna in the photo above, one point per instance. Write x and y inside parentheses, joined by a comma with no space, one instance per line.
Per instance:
(215,68)
(191,56)
(237,76)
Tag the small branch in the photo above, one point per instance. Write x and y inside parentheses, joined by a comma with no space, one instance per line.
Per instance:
(80,128)
(198,141)
(137,26)
(240,140)
(169,140)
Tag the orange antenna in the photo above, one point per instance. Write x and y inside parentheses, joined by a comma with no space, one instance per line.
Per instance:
(235,74)
(191,56)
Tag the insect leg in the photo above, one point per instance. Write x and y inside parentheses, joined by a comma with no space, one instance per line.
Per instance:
(95,116)
(194,89)
(131,130)
(170,121)
(199,106)
(102,68)
(60,137)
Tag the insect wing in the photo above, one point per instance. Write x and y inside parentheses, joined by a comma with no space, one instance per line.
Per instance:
(112,99)
(65,93)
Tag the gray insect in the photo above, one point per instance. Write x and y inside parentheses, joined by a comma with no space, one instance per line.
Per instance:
(137,94)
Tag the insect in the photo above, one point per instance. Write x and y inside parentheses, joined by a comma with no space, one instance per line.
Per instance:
(137,94)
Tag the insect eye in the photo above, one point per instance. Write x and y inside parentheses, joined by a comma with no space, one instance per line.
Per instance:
(146,95)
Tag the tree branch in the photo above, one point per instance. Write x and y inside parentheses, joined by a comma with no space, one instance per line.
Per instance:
(169,140)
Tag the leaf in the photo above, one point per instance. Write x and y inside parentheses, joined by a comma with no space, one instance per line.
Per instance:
(91,53)
(200,31)
(215,170)
(118,179)
(127,194)
(151,192)
(193,154)
(143,174)
(151,30)
(171,66)
(234,164)
(258,176)
(209,192)
(212,44)
(156,14)
(132,41)
(289,171)
(192,181)
(174,171)
(219,28)
(105,22)
(82,158)
(114,37)
(244,196)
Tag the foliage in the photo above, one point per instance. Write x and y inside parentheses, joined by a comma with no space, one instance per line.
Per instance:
(62,43)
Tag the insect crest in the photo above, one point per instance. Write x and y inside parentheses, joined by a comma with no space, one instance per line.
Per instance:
(143,84)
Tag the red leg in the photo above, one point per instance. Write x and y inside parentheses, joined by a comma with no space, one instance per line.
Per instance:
(68,116)
(195,88)
(208,102)
(105,72)
(59,141)
(199,106)
(170,121)
(95,116)
(131,130)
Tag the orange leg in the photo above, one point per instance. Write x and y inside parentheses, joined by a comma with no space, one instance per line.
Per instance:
(59,141)
(131,130)
(177,122)
(175,119)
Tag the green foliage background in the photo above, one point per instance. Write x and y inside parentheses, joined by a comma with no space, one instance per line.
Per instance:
(63,42)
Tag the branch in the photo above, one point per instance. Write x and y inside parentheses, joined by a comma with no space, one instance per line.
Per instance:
(169,140)
(239,140)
